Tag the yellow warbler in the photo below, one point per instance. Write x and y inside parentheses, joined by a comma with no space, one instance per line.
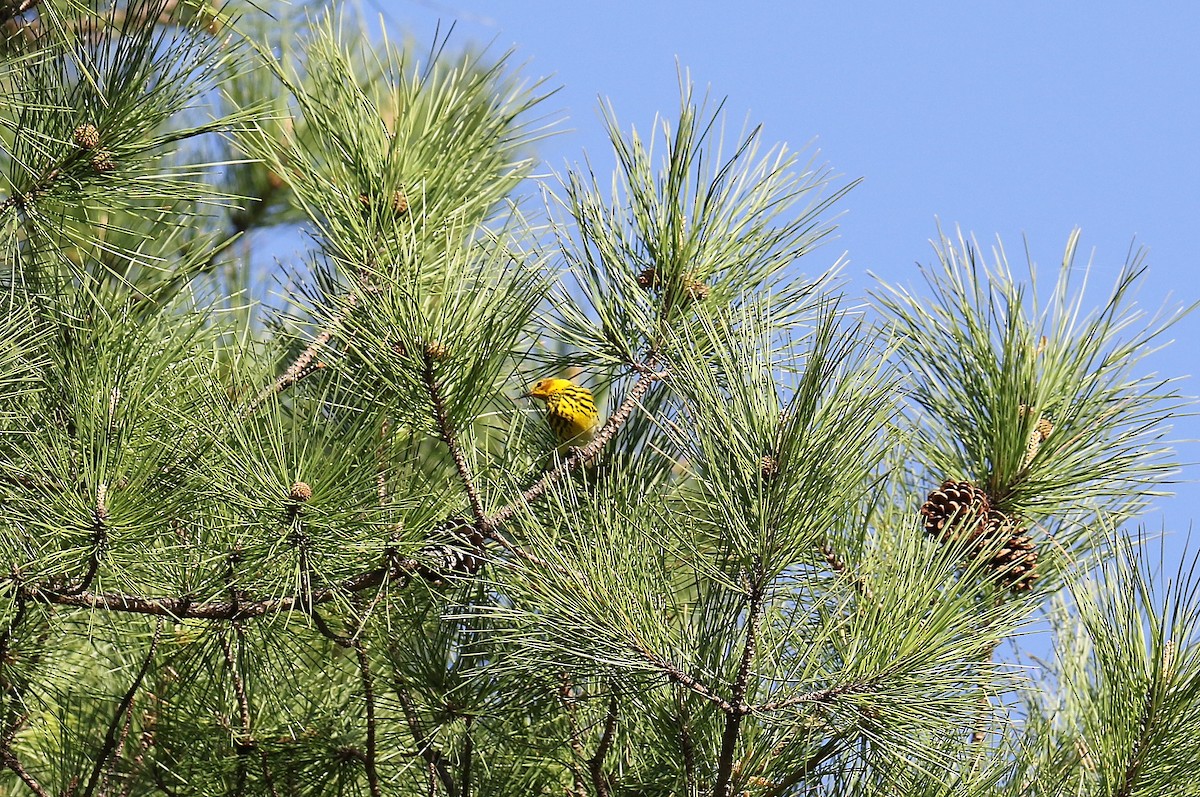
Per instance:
(570,409)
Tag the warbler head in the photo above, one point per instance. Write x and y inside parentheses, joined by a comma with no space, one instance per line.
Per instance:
(545,388)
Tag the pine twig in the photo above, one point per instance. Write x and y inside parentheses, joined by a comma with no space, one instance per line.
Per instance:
(467,753)
(110,737)
(733,720)
(576,739)
(99,539)
(433,757)
(368,682)
(446,431)
(677,675)
(247,739)
(303,365)
(596,762)
(687,747)
(13,763)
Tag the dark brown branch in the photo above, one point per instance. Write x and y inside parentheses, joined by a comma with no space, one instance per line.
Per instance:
(368,682)
(679,676)
(186,608)
(596,762)
(579,456)
(110,737)
(13,763)
(723,787)
(446,431)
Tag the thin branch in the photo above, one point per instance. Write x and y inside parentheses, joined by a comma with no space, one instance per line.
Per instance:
(303,365)
(578,456)
(99,539)
(687,747)
(13,763)
(186,608)
(596,762)
(679,676)
(247,740)
(110,737)
(446,430)
(816,696)
(733,721)
(368,682)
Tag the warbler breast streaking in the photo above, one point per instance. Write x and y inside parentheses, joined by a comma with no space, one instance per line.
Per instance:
(570,409)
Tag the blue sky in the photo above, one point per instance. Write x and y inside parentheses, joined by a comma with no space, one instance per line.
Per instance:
(1017,119)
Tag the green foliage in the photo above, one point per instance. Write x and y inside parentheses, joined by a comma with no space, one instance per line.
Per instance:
(328,549)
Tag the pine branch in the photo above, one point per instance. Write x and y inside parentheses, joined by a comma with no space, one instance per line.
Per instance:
(110,737)
(733,720)
(368,682)
(13,763)
(815,696)
(467,753)
(446,431)
(679,676)
(434,760)
(575,737)
(687,748)
(596,762)
(247,740)
(304,364)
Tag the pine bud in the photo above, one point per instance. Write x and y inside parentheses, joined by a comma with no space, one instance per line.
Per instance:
(102,161)
(87,136)
(300,492)
(436,350)
(399,201)
(648,279)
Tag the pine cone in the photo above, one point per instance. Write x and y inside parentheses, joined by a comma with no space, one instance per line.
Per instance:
(648,279)
(440,562)
(1014,564)
(956,511)
(768,465)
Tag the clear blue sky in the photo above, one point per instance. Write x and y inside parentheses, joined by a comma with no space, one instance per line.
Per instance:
(1023,119)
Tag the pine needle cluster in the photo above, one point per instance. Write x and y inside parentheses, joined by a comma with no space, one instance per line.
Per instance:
(318,541)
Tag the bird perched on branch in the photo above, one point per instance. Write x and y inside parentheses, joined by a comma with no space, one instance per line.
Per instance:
(570,409)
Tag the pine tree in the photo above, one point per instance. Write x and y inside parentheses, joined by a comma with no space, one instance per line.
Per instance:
(313,540)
